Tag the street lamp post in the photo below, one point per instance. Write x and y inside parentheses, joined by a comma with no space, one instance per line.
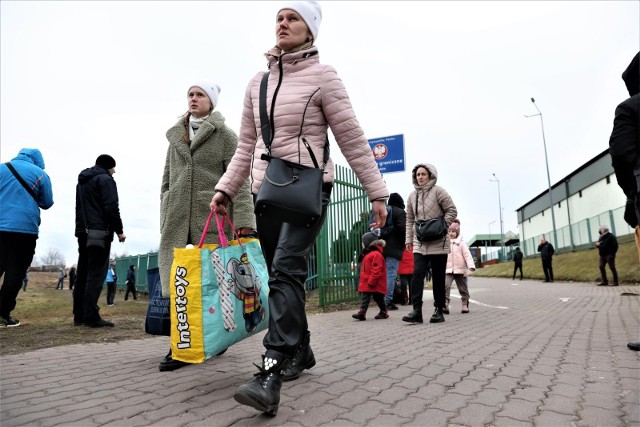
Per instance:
(499,207)
(485,242)
(544,143)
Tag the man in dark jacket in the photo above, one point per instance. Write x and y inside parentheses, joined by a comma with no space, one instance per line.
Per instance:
(607,246)
(97,208)
(25,188)
(517,260)
(624,148)
(546,253)
(394,245)
(131,283)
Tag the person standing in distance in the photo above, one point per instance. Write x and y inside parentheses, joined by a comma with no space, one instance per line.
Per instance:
(25,188)
(546,254)
(97,207)
(607,246)
(304,98)
(517,262)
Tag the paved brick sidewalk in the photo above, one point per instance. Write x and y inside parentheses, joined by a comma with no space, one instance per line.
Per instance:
(528,354)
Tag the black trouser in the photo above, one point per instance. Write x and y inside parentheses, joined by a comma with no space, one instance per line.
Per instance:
(611,261)
(517,266)
(377,297)
(111,292)
(548,270)
(285,247)
(438,263)
(16,254)
(91,272)
(131,287)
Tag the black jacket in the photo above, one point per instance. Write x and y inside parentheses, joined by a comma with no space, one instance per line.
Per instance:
(546,251)
(624,143)
(395,241)
(608,245)
(97,194)
(518,255)
(131,276)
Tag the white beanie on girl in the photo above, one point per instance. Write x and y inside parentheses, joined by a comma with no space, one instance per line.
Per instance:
(211,89)
(309,11)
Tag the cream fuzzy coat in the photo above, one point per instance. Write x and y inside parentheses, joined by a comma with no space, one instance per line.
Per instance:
(191,172)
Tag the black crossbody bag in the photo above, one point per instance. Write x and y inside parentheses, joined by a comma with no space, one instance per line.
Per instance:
(289,192)
(429,230)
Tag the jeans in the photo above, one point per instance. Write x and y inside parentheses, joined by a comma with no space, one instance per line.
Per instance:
(438,264)
(392,272)
(285,247)
(16,254)
(92,270)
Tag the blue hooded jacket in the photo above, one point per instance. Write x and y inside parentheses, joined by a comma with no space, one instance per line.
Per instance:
(19,212)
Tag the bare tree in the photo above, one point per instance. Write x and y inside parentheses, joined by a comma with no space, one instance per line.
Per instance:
(52,257)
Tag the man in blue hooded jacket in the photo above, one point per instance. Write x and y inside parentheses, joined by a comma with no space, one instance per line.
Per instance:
(25,188)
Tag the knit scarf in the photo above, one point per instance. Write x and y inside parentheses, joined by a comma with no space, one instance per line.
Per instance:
(194,125)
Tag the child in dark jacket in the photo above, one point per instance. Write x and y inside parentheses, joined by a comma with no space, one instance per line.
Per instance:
(373,276)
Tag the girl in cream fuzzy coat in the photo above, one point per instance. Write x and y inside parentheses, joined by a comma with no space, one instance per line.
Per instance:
(458,261)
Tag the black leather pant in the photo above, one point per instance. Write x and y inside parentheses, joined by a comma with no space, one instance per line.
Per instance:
(285,247)
(438,263)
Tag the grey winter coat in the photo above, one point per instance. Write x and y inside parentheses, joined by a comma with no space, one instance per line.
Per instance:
(433,201)
(191,172)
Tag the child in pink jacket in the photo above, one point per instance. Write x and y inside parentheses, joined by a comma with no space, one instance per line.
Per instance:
(458,261)
(373,276)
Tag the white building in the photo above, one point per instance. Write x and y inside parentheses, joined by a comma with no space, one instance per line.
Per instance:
(582,201)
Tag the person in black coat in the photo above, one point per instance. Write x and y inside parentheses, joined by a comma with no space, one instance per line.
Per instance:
(624,148)
(394,245)
(97,208)
(131,283)
(546,253)
(607,246)
(517,260)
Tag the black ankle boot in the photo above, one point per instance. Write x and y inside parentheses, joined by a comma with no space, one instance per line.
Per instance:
(263,392)
(301,360)
(437,316)
(414,317)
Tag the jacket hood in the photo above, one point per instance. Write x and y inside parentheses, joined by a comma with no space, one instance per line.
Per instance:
(31,155)
(89,173)
(432,171)
(631,76)
(396,200)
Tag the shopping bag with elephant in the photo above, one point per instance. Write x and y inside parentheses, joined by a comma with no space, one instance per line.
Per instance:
(218,295)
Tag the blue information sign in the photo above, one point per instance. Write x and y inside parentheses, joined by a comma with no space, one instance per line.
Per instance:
(389,153)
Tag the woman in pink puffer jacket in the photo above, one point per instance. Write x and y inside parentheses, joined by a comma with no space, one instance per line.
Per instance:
(304,98)
(459,261)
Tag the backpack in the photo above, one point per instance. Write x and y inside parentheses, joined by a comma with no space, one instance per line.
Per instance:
(388,226)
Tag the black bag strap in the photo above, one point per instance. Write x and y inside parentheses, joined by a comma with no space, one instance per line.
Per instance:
(268,132)
(22,181)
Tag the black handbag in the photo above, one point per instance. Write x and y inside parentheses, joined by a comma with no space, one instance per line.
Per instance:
(97,238)
(429,230)
(290,192)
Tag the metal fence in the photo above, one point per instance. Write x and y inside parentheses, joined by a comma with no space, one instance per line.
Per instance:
(580,235)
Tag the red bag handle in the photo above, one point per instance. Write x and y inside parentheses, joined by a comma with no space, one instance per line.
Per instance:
(222,237)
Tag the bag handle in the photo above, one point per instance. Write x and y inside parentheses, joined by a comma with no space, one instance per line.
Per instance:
(222,237)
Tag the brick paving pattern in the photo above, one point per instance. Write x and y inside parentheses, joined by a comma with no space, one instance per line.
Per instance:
(528,354)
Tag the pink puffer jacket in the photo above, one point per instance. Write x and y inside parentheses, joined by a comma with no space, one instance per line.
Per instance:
(310,97)
(459,259)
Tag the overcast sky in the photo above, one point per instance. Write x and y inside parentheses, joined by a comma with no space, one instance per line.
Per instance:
(79,79)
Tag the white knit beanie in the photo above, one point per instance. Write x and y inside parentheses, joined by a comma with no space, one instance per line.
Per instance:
(211,89)
(309,11)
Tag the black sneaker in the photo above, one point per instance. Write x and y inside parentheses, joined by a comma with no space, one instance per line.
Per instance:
(100,323)
(11,323)
(169,364)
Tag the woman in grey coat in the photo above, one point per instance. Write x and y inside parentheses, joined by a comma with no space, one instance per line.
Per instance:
(200,149)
